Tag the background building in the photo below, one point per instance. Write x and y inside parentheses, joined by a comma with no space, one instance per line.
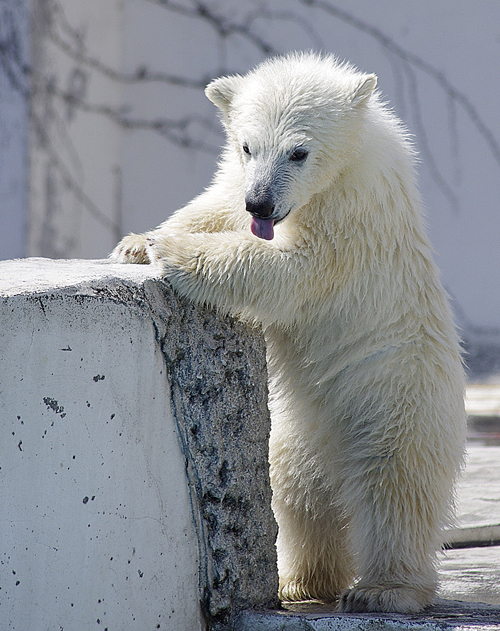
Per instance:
(104,127)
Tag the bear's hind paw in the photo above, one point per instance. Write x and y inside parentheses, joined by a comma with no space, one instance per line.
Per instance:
(384,599)
(293,591)
(296,590)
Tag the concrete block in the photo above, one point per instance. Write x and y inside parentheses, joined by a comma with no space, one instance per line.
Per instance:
(133,427)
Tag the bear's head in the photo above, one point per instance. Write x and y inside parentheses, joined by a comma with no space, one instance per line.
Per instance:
(294,122)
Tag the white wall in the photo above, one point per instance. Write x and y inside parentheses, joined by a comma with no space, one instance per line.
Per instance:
(97,522)
(128,143)
(75,151)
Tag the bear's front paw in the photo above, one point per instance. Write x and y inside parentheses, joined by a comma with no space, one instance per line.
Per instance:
(384,599)
(173,251)
(131,249)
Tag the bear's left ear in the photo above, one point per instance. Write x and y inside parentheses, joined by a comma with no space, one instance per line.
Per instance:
(221,91)
(364,89)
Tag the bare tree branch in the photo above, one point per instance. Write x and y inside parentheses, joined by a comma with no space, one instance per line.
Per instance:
(177,131)
(141,75)
(219,22)
(417,62)
(70,181)
(263,13)
(12,60)
(424,143)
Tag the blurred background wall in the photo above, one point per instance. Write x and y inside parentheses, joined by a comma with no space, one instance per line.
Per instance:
(104,127)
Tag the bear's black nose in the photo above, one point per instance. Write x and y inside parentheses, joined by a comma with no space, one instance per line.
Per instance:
(260,207)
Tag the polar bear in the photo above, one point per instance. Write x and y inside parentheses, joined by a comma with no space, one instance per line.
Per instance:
(313,228)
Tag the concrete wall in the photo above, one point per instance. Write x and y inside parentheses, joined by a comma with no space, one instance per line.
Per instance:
(133,426)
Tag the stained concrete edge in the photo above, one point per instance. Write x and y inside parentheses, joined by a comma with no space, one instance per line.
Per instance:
(444,615)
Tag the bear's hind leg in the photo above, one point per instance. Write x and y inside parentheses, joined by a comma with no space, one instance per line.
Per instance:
(313,560)
(397,510)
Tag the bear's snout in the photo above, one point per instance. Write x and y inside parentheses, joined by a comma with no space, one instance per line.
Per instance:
(261,207)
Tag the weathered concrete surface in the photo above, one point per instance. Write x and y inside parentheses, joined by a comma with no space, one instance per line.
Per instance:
(444,616)
(133,454)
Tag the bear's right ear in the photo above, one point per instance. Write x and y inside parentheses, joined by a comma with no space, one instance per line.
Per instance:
(221,91)
(364,89)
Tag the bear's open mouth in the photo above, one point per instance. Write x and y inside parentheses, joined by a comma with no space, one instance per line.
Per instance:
(262,228)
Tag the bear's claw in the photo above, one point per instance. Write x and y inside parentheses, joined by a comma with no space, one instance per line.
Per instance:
(383,599)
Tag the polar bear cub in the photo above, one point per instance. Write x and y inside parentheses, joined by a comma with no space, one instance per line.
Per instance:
(313,228)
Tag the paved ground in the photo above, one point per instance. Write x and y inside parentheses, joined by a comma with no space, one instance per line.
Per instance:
(471,574)
(467,574)
(474,573)
(479,489)
(444,616)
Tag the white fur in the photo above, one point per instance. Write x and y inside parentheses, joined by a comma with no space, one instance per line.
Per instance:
(366,378)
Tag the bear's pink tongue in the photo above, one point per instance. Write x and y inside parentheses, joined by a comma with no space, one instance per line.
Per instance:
(262,228)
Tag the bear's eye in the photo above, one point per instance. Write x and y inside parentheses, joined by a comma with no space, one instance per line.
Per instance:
(299,155)
(246,149)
